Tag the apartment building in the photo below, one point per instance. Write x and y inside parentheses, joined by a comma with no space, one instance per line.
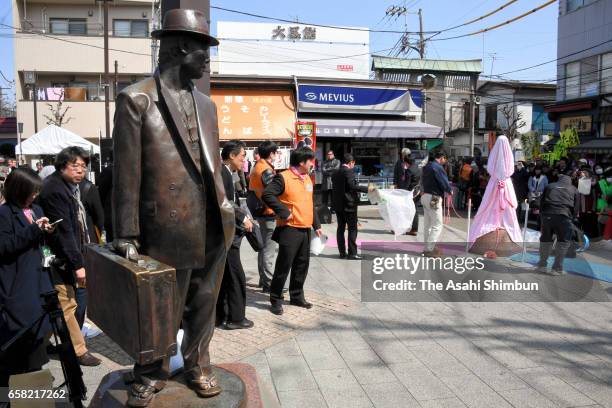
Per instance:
(61,42)
(584,73)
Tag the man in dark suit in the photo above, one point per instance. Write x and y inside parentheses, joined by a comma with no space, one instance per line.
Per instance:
(60,200)
(345,199)
(231,304)
(94,214)
(168,193)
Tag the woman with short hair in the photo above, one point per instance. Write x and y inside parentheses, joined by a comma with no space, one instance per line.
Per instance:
(22,279)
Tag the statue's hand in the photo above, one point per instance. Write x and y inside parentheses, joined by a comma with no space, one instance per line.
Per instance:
(127,248)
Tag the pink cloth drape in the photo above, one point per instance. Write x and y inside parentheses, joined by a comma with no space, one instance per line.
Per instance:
(498,206)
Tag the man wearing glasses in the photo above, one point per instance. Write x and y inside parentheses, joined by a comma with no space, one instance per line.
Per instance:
(60,200)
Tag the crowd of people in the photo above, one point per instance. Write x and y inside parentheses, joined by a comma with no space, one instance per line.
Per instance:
(592,178)
(61,212)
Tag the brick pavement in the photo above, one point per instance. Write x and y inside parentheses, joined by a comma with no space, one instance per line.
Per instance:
(344,353)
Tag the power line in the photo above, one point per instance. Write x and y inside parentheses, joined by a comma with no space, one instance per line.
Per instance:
(6,79)
(512,20)
(312,24)
(497,10)
(435,33)
(553,60)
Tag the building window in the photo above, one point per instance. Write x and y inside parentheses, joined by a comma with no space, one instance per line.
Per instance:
(491,117)
(576,4)
(68,26)
(131,28)
(589,76)
(606,73)
(572,80)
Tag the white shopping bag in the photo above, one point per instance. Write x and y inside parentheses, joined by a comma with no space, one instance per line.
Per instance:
(396,207)
(532,236)
(317,244)
(584,186)
(176,361)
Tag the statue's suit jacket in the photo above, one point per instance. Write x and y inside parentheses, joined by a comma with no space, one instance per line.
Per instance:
(174,204)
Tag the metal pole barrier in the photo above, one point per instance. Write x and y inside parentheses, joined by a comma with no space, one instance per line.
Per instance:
(525,230)
(469,224)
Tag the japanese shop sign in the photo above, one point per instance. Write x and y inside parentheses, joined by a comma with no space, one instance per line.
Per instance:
(254,115)
(580,123)
(294,33)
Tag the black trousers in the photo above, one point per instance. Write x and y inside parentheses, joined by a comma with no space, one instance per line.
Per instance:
(195,305)
(326,197)
(231,304)
(293,257)
(347,219)
(415,220)
(562,227)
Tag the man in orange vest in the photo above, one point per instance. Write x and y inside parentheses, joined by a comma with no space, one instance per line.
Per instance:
(290,196)
(261,175)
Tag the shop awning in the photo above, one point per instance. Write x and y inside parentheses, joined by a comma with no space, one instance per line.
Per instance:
(376,129)
(596,146)
(433,143)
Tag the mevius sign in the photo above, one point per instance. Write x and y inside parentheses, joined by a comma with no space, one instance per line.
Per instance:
(346,99)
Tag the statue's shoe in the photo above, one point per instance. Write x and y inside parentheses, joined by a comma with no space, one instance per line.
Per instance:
(141,394)
(204,386)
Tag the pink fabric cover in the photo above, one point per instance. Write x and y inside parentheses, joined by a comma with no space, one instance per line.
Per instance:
(498,207)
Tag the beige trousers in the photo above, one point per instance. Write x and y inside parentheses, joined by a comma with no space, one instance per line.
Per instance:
(67,299)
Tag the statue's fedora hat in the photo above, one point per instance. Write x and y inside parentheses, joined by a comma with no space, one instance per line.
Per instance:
(186,21)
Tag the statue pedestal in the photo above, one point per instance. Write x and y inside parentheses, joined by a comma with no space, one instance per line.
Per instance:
(239,383)
(497,241)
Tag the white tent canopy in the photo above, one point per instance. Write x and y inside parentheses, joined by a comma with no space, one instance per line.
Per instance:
(51,140)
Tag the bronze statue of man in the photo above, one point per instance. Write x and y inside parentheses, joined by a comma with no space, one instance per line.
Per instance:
(168,195)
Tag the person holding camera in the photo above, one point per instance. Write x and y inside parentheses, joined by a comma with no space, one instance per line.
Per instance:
(22,280)
(558,203)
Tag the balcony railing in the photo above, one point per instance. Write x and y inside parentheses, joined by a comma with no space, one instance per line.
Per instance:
(117,28)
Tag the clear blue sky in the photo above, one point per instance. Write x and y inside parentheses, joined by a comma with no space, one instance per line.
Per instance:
(526,42)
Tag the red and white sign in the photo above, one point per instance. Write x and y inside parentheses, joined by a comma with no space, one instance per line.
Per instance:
(346,68)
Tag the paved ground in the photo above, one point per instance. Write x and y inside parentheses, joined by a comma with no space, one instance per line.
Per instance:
(344,353)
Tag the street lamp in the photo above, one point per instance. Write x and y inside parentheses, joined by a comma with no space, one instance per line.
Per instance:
(19,135)
(29,78)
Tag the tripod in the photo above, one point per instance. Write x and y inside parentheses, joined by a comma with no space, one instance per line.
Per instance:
(73,375)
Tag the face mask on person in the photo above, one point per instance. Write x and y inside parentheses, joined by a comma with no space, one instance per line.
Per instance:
(609,180)
(598,171)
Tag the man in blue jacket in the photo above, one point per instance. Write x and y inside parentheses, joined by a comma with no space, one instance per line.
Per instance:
(435,184)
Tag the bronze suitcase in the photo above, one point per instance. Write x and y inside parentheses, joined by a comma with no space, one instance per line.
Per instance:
(132,302)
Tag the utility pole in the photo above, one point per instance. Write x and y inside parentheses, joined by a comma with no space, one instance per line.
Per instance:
(115,86)
(106,76)
(156,18)
(473,86)
(421,39)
